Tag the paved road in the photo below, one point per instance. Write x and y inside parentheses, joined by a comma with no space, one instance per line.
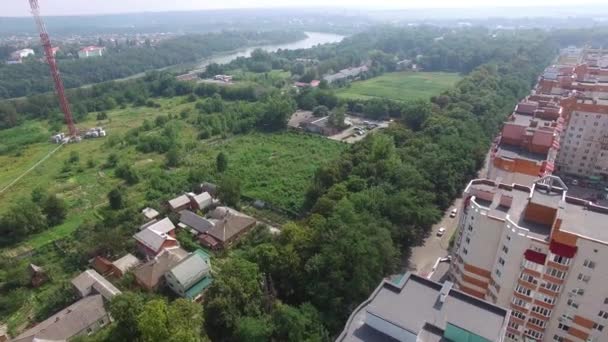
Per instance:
(424,257)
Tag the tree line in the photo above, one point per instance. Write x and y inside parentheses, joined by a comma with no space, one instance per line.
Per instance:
(33,77)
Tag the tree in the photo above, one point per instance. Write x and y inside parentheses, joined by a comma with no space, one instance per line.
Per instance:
(229,191)
(277,111)
(221,162)
(125,309)
(115,198)
(337,117)
(235,293)
(74,157)
(112,160)
(128,173)
(54,209)
(153,322)
(39,194)
(172,158)
(21,219)
(298,324)
(320,111)
(254,329)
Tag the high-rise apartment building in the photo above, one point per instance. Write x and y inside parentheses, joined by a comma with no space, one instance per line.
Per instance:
(539,252)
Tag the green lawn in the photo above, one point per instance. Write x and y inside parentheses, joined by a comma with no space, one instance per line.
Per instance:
(401,86)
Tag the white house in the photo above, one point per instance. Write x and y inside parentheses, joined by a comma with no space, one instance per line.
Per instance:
(91,51)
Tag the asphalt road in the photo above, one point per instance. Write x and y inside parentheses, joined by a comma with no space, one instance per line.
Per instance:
(424,257)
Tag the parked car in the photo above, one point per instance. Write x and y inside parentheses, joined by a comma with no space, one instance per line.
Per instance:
(441,231)
(454,212)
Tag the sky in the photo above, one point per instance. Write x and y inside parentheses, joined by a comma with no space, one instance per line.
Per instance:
(76,7)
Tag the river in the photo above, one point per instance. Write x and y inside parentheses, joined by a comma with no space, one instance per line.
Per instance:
(312,39)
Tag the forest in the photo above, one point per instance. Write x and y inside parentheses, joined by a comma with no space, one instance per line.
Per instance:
(33,76)
(362,211)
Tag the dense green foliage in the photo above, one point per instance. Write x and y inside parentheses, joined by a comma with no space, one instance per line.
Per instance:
(122,61)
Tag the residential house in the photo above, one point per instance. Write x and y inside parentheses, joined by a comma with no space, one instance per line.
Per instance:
(81,318)
(90,282)
(229,225)
(91,51)
(201,201)
(191,276)
(18,56)
(124,265)
(194,222)
(150,274)
(320,126)
(155,236)
(179,203)
(150,214)
(102,265)
(416,309)
(346,74)
(117,268)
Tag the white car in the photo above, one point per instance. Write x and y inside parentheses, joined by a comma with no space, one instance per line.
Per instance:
(441,231)
(454,212)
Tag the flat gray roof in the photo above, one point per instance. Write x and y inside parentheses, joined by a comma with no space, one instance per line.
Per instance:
(585,220)
(413,304)
(516,152)
(515,211)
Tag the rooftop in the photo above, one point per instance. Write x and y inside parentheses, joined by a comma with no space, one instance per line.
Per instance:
(90,280)
(67,322)
(228,222)
(126,263)
(179,201)
(152,271)
(196,222)
(516,152)
(423,310)
(495,198)
(584,219)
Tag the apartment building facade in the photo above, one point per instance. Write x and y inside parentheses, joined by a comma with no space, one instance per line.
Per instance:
(539,252)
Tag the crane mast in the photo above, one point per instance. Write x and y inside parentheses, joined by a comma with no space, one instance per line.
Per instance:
(50,58)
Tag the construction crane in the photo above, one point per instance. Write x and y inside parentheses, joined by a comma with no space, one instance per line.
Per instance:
(50,58)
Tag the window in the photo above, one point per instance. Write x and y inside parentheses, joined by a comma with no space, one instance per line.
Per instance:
(467,240)
(556,273)
(537,322)
(505,249)
(513,325)
(464,251)
(572,303)
(550,286)
(534,334)
(541,311)
(528,278)
(598,327)
(563,327)
(89,331)
(523,290)
(498,272)
(544,298)
(501,261)
(470,226)
(606,300)
(585,278)
(558,338)
(579,292)
(511,336)
(518,314)
(589,264)
(603,314)
(520,302)
(561,260)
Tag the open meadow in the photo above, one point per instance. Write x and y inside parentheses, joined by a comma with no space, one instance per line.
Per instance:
(401,86)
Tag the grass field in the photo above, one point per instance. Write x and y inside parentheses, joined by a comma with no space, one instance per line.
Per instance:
(277,167)
(401,86)
(274,167)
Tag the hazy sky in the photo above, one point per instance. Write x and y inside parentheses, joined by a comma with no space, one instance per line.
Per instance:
(69,7)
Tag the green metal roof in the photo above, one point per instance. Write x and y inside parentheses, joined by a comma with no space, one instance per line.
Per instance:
(199,287)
